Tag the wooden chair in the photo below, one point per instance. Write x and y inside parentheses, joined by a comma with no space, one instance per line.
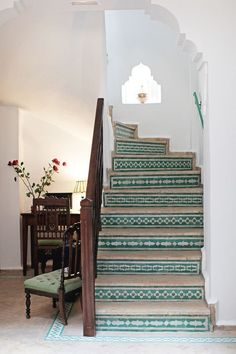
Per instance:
(51,219)
(60,283)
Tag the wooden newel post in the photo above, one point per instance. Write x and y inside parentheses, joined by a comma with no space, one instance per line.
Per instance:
(87,267)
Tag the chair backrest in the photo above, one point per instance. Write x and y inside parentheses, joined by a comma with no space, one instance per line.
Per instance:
(52,217)
(71,258)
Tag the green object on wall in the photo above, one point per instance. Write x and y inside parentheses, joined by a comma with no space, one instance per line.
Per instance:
(198,104)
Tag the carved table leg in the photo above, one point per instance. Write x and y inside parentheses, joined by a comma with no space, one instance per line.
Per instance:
(27,303)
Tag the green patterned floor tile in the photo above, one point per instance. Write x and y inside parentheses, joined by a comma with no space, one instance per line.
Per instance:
(152,220)
(128,164)
(154,199)
(160,181)
(124,266)
(140,147)
(152,323)
(150,242)
(148,293)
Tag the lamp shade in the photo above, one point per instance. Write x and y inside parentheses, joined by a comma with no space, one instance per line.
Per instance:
(80,186)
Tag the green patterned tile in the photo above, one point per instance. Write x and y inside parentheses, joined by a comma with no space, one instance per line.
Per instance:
(154,199)
(127,164)
(150,242)
(159,181)
(152,323)
(122,131)
(140,147)
(124,266)
(148,293)
(169,220)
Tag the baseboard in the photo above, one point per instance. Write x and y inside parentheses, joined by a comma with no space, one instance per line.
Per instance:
(226,325)
(10,269)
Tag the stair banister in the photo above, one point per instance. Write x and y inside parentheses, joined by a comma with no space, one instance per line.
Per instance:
(91,224)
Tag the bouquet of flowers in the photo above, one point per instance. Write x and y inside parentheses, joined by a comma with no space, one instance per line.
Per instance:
(36,190)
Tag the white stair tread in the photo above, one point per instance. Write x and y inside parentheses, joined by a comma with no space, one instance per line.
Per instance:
(156,191)
(155,173)
(152,308)
(126,125)
(151,232)
(150,255)
(152,156)
(152,210)
(149,280)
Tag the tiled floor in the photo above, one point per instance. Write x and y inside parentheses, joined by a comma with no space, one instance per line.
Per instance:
(18,335)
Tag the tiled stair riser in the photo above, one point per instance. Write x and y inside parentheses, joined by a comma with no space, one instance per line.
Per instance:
(122,131)
(148,267)
(153,323)
(134,171)
(148,293)
(152,220)
(150,243)
(161,181)
(151,163)
(136,148)
(138,199)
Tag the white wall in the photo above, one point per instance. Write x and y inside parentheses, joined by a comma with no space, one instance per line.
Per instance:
(52,65)
(211,25)
(9,190)
(132,37)
(50,140)
(55,69)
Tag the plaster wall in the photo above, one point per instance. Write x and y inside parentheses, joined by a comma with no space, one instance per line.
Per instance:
(211,26)
(52,66)
(56,79)
(132,37)
(9,190)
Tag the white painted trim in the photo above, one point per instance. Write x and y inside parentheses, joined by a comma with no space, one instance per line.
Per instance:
(226,323)
(11,268)
(210,300)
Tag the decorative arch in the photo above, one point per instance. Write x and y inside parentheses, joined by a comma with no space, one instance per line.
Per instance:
(141,87)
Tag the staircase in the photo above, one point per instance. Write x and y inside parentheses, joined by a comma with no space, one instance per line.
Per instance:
(149,250)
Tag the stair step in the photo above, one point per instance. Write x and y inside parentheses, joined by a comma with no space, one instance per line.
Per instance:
(141,262)
(150,239)
(174,162)
(145,317)
(149,287)
(122,130)
(153,197)
(141,146)
(166,280)
(152,217)
(150,180)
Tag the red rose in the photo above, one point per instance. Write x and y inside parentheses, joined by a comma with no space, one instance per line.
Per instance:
(15,162)
(55,168)
(56,161)
(64,163)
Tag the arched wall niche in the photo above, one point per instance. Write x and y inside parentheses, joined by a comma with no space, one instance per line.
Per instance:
(161,17)
(141,87)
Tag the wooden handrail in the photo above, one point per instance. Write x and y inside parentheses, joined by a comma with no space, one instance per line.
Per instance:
(90,224)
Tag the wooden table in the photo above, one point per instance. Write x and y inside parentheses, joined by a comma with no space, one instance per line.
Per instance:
(28,221)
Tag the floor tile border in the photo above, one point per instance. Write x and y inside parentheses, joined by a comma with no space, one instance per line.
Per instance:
(56,333)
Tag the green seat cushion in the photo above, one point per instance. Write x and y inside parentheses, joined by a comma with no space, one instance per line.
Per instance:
(50,282)
(50,243)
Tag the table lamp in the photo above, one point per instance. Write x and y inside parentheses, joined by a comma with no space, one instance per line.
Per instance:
(79,193)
